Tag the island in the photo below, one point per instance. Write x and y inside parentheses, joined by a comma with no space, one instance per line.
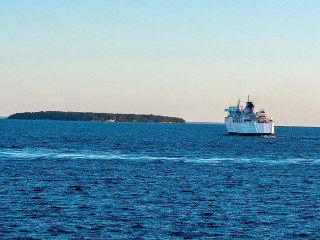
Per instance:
(97,117)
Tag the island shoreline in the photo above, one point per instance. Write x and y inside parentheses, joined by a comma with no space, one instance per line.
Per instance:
(95,117)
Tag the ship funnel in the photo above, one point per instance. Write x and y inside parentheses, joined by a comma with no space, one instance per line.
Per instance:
(249,107)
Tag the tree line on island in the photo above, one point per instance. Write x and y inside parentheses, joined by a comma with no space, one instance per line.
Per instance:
(98,117)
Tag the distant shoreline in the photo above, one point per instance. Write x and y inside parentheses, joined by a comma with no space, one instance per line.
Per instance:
(12,118)
(204,122)
(95,117)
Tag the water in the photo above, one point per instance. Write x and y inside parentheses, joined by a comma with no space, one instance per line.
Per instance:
(91,180)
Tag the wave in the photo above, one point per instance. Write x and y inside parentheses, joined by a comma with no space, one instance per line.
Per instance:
(50,154)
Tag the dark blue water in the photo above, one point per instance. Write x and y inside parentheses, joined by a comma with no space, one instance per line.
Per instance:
(90,180)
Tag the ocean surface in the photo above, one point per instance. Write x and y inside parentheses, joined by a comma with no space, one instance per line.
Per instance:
(96,180)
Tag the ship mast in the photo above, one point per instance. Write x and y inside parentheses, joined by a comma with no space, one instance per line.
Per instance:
(248,98)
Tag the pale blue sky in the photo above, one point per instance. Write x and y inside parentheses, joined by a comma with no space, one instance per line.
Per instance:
(180,58)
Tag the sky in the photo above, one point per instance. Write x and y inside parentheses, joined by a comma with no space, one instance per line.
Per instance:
(189,59)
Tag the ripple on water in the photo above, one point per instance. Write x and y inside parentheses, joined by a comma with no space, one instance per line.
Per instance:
(76,180)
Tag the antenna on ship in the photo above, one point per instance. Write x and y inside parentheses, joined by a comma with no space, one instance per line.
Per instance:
(248,98)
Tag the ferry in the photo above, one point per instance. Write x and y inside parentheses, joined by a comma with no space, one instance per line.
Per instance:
(244,121)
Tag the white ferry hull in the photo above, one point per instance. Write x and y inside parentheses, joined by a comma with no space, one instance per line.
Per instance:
(250,128)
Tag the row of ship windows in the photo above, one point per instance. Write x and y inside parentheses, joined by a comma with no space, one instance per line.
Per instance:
(237,121)
(240,121)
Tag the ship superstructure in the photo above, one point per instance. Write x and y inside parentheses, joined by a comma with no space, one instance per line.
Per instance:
(243,120)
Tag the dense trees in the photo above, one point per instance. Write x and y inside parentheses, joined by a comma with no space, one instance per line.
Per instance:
(100,117)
